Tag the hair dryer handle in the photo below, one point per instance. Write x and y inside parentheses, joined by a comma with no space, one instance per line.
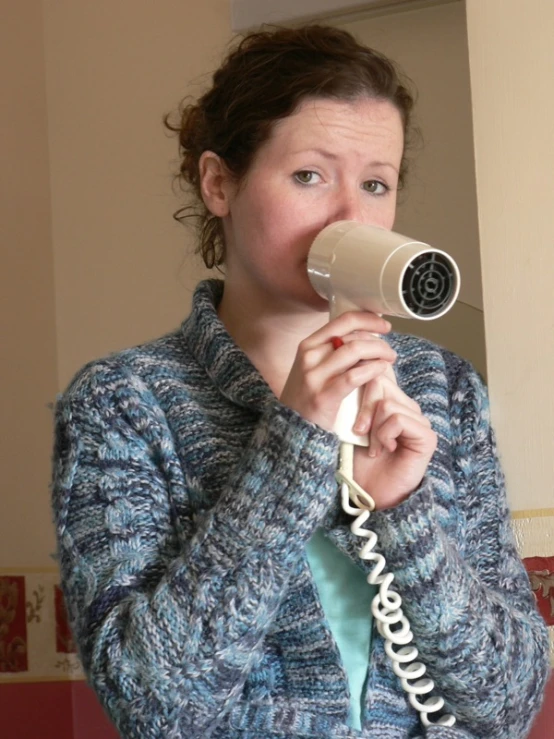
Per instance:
(346,417)
(350,406)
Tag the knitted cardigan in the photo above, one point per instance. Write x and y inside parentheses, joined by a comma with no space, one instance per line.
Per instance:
(184,494)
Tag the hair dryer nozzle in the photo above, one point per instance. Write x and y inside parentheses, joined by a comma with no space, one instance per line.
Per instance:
(359,267)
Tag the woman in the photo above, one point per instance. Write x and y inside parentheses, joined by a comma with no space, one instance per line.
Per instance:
(198,520)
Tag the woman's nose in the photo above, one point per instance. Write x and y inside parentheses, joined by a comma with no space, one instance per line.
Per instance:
(347,207)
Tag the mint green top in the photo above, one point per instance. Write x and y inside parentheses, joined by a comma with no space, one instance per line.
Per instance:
(346,599)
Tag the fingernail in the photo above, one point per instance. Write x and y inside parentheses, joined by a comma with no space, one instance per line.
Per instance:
(362,425)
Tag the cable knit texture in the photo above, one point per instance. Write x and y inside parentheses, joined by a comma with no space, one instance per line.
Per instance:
(184,494)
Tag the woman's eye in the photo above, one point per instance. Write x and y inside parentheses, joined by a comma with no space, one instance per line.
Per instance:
(375,187)
(306,177)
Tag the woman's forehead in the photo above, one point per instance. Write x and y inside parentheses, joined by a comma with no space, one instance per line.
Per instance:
(323,123)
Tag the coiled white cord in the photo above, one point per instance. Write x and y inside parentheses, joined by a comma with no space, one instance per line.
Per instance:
(386,607)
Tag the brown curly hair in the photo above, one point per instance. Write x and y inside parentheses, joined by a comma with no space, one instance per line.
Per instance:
(262,80)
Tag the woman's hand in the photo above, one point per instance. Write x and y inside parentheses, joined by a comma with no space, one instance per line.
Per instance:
(321,377)
(401,443)
(401,439)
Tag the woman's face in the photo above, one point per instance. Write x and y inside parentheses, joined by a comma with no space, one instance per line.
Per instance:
(329,161)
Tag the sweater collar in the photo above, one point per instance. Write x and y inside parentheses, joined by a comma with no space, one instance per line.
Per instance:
(212,346)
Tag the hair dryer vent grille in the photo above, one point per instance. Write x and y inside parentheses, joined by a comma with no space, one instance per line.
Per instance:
(428,284)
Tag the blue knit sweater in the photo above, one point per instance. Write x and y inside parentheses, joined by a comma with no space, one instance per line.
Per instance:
(184,494)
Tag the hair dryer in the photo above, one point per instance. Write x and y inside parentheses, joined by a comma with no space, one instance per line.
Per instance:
(367,268)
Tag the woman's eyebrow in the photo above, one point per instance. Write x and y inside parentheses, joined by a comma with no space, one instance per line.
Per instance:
(316,150)
(378,163)
(330,155)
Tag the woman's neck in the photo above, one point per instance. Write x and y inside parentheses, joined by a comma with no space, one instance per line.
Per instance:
(268,334)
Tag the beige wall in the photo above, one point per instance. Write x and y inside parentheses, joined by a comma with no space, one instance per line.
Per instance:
(113,68)
(439,205)
(28,368)
(91,259)
(512,73)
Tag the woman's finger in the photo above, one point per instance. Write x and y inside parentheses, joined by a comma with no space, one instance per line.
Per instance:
(360,335)
(395,421)
(326,362)
(343,352)
(342,385)
(409,433)
(375,391)
(348,323)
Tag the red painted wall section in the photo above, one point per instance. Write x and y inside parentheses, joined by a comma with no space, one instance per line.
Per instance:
(543,727)
(36,710)
(70,710)
(91,723)
(89,720)
(52,710)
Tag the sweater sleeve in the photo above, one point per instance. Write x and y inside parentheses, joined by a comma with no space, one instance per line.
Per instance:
(470,605)
(170,608)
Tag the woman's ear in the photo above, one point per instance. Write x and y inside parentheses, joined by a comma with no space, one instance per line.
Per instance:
(216,183)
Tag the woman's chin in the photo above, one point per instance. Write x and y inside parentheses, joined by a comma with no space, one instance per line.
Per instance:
(313,301)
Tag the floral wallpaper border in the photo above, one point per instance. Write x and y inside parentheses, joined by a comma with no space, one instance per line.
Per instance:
(534,533)
(35,639)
